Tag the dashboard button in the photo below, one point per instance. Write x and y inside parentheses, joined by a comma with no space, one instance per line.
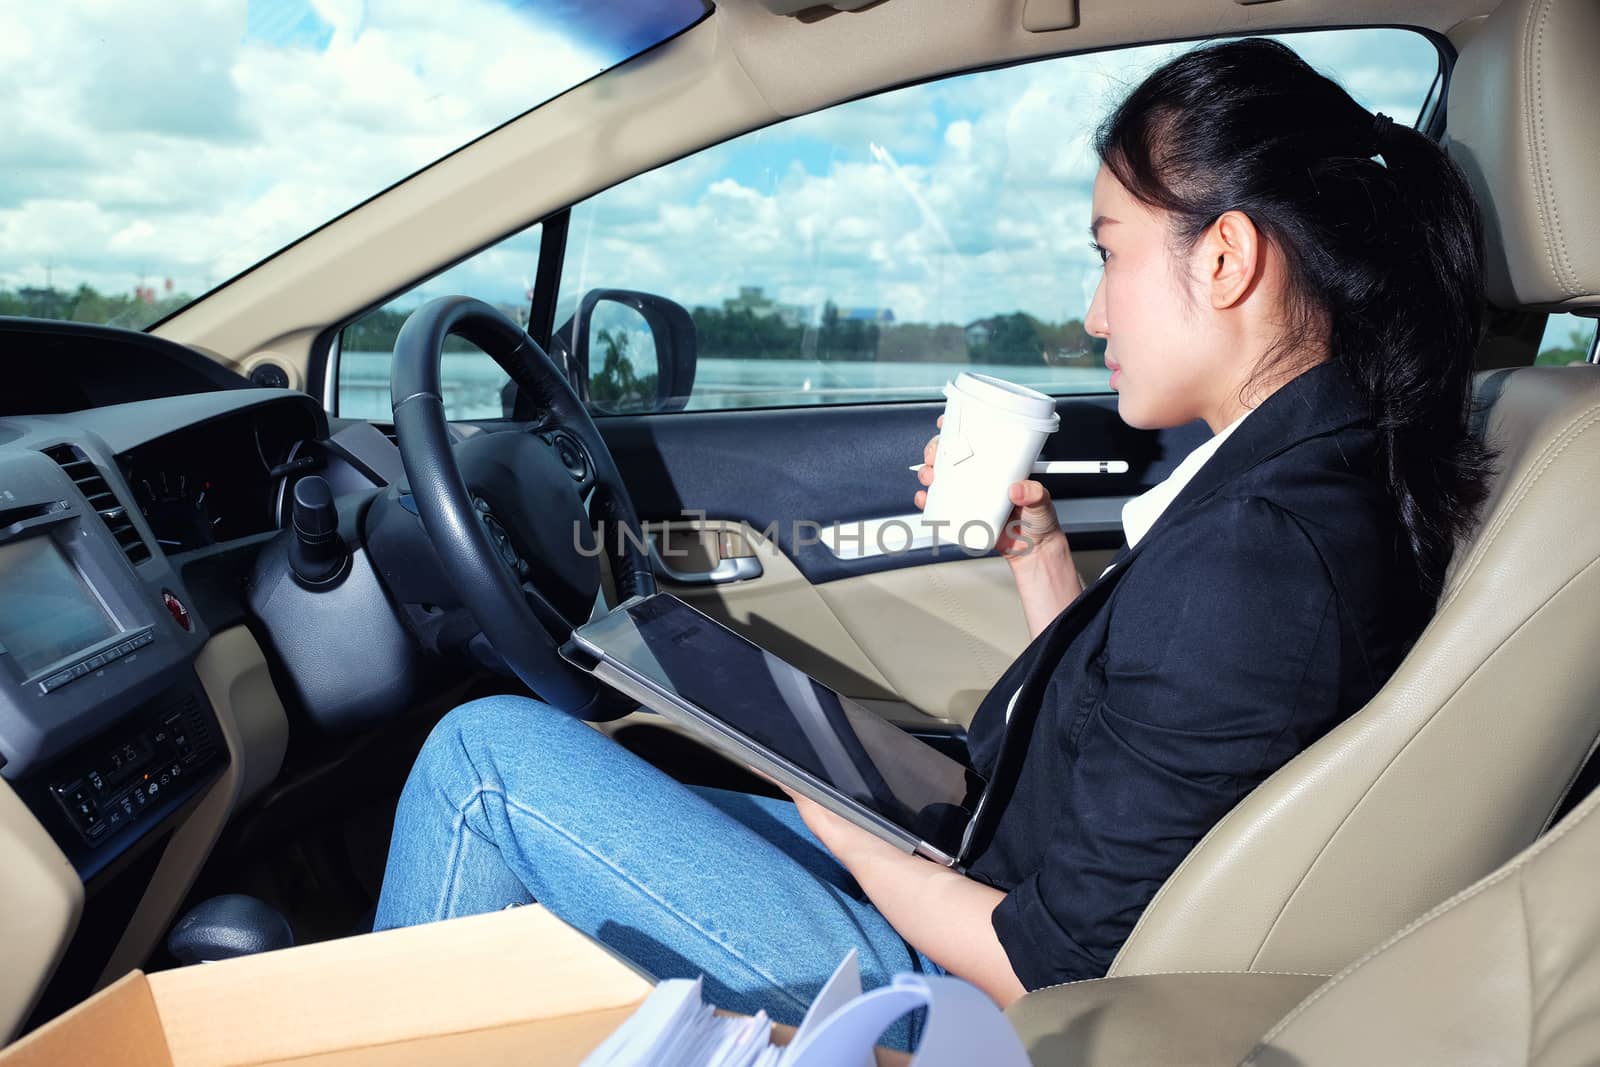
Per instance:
(180,614)
(96,662)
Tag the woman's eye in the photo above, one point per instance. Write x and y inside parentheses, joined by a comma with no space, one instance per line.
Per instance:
(1099,250)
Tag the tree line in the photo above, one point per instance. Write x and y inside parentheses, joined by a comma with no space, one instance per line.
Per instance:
(133,311)
(1016,338)
(1576,350)
(739,333)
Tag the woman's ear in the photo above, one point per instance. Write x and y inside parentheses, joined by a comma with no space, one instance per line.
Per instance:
(1231,262)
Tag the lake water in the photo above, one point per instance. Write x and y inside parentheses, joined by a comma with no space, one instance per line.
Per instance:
(472,382)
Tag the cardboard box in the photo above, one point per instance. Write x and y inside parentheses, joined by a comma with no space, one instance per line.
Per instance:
(515,987)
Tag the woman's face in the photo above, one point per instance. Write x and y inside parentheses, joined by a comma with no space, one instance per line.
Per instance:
(1166,351)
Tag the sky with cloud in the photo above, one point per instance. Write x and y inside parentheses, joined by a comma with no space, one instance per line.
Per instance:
(189,142)
(943,202)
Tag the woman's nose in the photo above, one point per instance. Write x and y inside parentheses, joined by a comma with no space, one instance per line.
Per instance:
(1095,321)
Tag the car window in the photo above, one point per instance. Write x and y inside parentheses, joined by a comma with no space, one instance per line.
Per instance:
(872,251)
(1566,339)
(154,151)
(474,385)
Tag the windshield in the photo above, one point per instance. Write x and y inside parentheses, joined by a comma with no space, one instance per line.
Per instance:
(155,151)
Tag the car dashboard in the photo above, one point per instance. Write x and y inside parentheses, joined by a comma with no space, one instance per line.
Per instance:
(102,728)
(222,480)
(127,535)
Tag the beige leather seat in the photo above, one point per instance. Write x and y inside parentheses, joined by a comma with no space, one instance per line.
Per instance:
(1464,757)
(1508,972)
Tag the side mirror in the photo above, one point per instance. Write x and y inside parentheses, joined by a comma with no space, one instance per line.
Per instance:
(630,352)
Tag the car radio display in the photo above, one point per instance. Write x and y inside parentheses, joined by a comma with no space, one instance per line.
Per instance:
(47,610)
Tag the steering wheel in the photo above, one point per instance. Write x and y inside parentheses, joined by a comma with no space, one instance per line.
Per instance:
(506,511)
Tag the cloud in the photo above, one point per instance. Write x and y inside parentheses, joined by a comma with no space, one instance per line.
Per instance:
(191,143)
(943,202)
(187,142)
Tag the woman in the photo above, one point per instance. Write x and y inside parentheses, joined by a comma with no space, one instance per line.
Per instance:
(1318,308)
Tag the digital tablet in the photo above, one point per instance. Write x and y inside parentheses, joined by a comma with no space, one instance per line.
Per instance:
(770,715)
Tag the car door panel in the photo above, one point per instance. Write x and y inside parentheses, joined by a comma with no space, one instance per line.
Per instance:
(925,631)
(800,470)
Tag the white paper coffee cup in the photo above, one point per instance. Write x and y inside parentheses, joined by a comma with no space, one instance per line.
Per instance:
(992,432)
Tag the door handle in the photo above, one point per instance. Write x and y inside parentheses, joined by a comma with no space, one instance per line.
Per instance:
(734,569)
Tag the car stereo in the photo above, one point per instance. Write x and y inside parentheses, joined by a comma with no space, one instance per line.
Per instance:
(83,638)
(54,626)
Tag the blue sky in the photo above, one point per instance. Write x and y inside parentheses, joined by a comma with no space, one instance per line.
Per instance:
(188,144)
(188,141)
(943,202)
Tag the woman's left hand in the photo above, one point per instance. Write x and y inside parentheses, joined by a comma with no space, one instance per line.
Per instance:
(944,914)
(839,835)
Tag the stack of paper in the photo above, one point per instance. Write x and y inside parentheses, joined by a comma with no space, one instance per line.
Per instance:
(674,1027)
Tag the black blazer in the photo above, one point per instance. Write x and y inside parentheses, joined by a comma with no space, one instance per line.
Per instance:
(1270,600)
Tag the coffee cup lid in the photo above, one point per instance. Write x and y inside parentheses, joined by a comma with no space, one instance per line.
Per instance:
(1010,397)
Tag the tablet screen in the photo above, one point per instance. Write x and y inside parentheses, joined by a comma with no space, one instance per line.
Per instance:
(781,708)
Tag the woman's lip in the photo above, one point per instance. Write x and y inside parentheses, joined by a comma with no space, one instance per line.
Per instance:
(1116,372)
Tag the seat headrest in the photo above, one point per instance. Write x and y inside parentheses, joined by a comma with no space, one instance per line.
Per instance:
(1521,123)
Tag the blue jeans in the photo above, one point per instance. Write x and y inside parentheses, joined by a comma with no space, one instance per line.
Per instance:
(512,800)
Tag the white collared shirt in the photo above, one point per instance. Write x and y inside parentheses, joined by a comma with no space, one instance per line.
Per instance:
(1144,510)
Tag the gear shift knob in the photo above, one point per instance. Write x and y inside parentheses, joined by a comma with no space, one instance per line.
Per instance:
(227,926)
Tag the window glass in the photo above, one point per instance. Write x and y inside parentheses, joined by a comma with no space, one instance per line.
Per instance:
(1567,339)
(872,251)
(153,151)
(474,385)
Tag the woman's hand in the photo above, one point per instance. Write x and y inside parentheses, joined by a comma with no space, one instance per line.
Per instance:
(1033,515)
(944,914)
(1032,523)
(847,841)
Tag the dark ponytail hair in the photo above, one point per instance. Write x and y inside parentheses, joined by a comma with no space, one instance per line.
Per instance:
(1384,260)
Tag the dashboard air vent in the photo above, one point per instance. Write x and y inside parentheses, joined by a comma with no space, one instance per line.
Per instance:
(87,477)
(198,739)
